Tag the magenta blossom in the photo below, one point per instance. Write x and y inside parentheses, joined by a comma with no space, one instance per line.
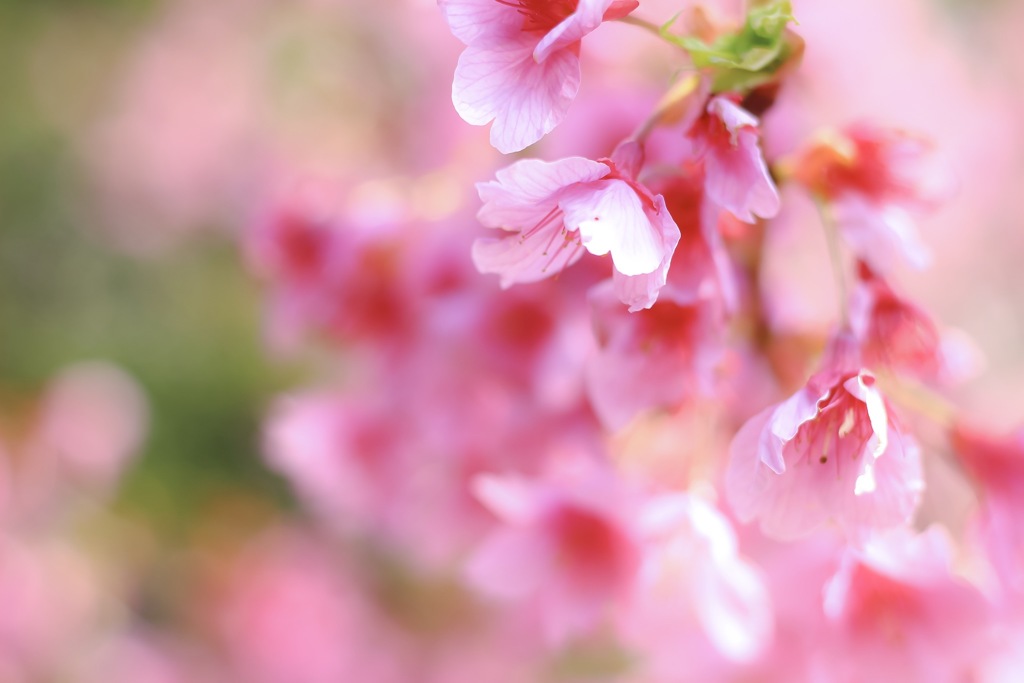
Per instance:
(521,66)
(560,209)
(832,452)
(736,176)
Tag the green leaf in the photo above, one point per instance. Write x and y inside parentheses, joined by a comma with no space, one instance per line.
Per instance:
(750,56)
(769,20)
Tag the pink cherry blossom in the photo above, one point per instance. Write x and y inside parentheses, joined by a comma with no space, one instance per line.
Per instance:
(736,175)
(832,452)
(558,210)
(895,333)
(327,275)
(698,606)
(52,594)
(657,358)
(93,421)
(294,613)
(997,465)
(569,544)
(90,423)
(701,266)
(897,612)
(875,180)
(521,66)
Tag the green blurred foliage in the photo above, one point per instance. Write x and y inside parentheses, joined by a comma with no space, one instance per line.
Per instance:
(186,324)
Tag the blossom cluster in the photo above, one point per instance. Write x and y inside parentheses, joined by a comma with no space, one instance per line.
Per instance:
(604,460)
(562,431)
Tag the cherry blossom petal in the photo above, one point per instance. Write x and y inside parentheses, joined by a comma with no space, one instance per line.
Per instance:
(880,235)
(524,192)
(509,564)
(732,115)
(738,179)
(783,426)
(734,608)
(588,16)
(480,20)
(519,260)
(611,219)
(641,291)
(525,99)
(512,499)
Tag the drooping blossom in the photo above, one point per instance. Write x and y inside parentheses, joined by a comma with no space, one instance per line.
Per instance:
(897,612)
(996,463)
(701,266)
(521,65)
(737,179)
(558,210)
(832,452)
(874,180)
(656,358)
(567,543)
(698,608)
(895,333)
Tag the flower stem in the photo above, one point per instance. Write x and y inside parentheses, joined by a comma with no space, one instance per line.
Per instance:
(653,28)
(673,106)
(642,23)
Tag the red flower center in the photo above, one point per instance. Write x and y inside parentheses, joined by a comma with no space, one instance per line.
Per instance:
(838,433)
(590,547)
(541,15)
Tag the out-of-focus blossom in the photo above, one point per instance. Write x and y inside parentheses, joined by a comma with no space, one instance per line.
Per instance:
(736,176)
(874,180)
(521,66)
(997,465)
(570,545)
(139,656)
(898,613)
(832,452)
(52,602)
(560,209)
(293,613)
(93,420)
(698,607)
(90,422)
(701,266)
(896,334)
(655,358)
(328,276)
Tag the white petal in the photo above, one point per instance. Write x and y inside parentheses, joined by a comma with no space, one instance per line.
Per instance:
(611,219)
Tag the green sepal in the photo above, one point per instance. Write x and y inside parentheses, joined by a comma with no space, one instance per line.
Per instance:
(749,57)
